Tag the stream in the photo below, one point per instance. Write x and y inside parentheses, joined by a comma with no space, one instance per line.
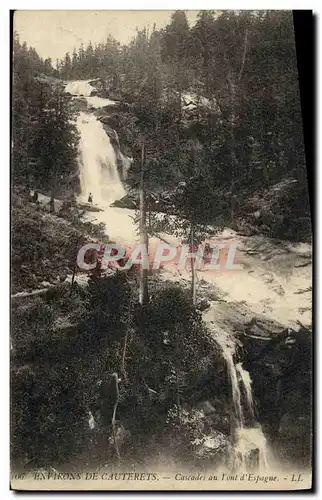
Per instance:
(271,282)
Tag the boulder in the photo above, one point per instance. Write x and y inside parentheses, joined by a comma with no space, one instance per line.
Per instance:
(89,207)
(203,305)
(294,439)
(211,447)
(104,119)
(281,211)
(112,134)
(126,202)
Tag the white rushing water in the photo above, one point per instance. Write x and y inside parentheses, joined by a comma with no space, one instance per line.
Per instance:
(250,439)
(98,173)
(98,102)
(82,88)
(249,447)
(79,88)
(252,284)
(247,384)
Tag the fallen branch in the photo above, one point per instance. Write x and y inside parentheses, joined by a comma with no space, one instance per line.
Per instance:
(21,295)
(303,290)
(304,264)
(303,326)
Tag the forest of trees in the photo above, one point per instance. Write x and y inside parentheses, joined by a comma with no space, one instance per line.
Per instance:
(215,109)
(236,74)
(245,134)
(44,142)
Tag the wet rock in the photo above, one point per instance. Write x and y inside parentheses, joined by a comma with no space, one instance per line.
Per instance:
(238,320)
(281,382)
(294,438)
(108,120)
(122,107)
(45,284)
(303,290)
(112,135)
(89,207)
(127,201)
(104,119)
(216,412)
(210,447)
(203,305)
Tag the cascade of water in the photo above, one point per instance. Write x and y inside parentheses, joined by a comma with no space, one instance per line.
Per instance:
(98,162)
(99,176)
(98,172)
(98,167)
(79,88)
(247,384)
(249,443)
(236,394)
(126,163)
(250,446)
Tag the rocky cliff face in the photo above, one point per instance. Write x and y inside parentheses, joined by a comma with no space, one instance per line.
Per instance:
(279,211)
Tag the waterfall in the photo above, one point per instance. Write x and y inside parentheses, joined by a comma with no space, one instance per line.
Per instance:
(236,394)
(79,88)
(98,162)
(99,175)
(98,166)
(249,447)
(126,163)
(247,383)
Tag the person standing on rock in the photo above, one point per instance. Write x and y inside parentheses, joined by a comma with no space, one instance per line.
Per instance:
(90,198)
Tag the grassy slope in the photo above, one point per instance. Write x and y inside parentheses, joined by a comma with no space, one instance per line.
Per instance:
(44,245)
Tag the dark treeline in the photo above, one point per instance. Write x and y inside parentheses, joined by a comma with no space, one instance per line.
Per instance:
(217,105)
(44,141)
(27,59)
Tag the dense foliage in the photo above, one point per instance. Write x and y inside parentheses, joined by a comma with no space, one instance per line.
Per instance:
(44,140)
(215,109)
(45,246)
(238,69)
(65,348)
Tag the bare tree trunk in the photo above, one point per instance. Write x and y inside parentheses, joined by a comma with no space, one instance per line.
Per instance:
(73,279)
(33,293)
(233,165)
(52,201)
(244,55)
(117,397)
(180,105)
(178,395)
(232,90)
(144,294)
(123,371)
(193,267)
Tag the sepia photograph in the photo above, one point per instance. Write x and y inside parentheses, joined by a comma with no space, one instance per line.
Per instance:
(161,252)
